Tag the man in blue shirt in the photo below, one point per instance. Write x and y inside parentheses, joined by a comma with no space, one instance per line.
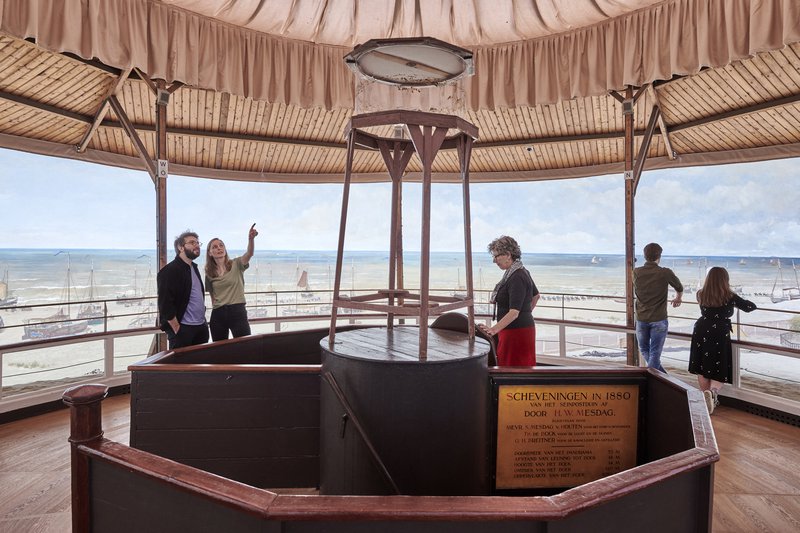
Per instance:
(181,301)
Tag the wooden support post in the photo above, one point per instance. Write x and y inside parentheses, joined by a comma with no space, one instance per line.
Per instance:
(631,184)
(427,141)
(464,154)
(337,282)
(427,154)
(395,221)
(396,156)
(400,281)
(161,184)
(161,189)
(630,255)
(86,427)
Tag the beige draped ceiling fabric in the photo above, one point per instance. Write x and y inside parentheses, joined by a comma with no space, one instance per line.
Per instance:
(290,51)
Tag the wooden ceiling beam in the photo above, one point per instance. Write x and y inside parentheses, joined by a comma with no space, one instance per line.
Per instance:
(780,102)
(763,106)
(645,147)
(225,105)
(130,129)
(174,87)
(662,124)
(146,79)
(45,107)
(640,91)
(102,110)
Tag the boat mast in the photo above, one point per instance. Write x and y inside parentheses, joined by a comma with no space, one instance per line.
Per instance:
(67,282)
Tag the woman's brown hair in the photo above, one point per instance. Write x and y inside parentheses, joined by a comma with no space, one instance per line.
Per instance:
(211,265)
(716,290)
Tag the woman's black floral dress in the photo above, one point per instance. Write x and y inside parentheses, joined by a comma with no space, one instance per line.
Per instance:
(711,353)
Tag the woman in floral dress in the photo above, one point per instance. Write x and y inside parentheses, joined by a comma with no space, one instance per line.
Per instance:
(710,356)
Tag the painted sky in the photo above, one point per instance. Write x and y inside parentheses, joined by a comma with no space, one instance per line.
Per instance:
(737,210)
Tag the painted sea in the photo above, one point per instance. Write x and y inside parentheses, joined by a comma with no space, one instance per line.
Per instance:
(40,276)
(579,287)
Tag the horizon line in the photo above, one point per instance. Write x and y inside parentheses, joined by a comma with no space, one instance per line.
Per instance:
(296,250)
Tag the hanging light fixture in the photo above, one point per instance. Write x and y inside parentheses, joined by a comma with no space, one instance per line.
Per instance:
(410,62)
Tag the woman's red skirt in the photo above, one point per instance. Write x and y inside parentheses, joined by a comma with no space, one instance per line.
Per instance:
(516,347)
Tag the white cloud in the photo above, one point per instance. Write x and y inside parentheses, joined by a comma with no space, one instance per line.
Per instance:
(746,209)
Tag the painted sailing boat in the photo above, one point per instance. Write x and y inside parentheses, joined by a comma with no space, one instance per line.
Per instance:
(91,311)
(60,324)
(259,309)
(136,296)
(304,296)
(784,293)
(461,290)
(794,294)
(6,298)
(305,290)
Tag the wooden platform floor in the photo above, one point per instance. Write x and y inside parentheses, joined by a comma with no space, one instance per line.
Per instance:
(756,489)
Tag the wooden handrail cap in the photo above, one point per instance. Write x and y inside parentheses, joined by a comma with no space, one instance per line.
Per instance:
(83,394)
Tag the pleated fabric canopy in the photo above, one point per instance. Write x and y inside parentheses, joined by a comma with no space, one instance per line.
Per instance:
(266,93)
(526,53)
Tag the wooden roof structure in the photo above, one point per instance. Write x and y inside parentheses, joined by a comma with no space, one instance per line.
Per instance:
(52,101)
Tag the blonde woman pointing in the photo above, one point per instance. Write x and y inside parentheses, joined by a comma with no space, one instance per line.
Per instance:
(225,284)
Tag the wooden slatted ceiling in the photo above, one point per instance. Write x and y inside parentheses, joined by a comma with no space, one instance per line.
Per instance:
(57,98)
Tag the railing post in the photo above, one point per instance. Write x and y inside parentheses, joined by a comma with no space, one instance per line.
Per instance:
(562,340)
(738,325)
(86,426)
(108,357)
(736,366)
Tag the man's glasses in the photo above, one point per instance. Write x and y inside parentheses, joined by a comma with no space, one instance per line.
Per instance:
(193,243)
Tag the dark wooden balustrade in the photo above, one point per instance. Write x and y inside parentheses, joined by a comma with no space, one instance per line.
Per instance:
(119,488)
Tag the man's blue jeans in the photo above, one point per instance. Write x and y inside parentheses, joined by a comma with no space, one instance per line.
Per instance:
(651,337)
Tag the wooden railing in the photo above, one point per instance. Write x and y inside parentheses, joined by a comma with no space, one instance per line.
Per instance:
(124,489)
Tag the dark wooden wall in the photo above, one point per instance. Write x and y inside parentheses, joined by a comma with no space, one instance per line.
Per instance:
(257,428)
(123,501)
(256,425)
(668,422)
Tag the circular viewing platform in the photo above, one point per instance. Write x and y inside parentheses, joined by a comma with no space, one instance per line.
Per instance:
(400,344)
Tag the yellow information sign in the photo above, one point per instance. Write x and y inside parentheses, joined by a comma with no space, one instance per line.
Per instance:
(564,435)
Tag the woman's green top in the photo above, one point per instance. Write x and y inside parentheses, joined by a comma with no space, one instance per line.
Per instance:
(228,289)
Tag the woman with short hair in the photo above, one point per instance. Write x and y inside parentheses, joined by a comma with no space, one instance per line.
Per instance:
(225,284)
(514,298)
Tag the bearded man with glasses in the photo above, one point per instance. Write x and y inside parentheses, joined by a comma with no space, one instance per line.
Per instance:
(181,301)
